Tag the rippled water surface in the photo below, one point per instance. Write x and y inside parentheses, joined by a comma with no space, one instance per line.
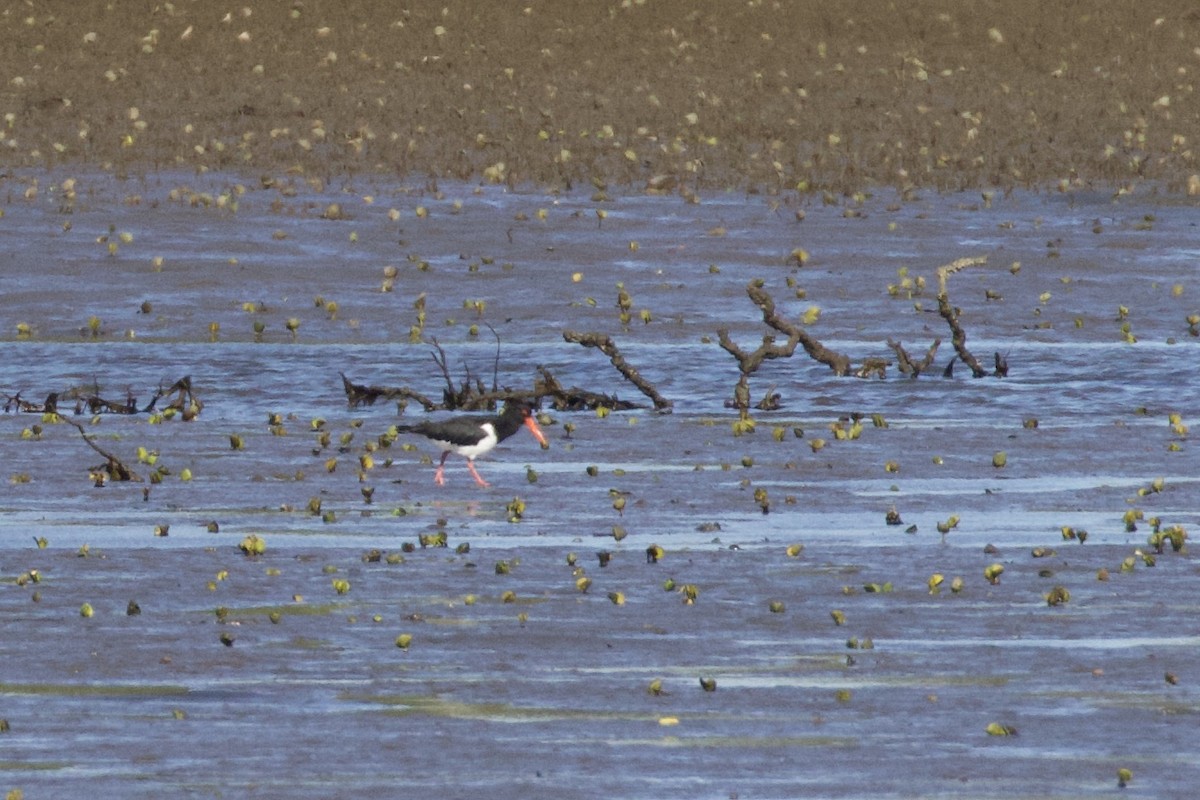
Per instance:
(544,692)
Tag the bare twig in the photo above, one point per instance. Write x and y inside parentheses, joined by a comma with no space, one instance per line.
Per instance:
(439,358)
(461,397)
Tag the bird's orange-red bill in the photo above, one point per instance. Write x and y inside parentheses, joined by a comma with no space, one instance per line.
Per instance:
(531,423)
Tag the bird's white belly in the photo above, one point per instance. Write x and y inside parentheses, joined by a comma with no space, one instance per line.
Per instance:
(473,451)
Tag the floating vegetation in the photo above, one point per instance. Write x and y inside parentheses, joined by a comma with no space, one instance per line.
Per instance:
(515,509)
(253,545)
(1057,596)
(1175,535)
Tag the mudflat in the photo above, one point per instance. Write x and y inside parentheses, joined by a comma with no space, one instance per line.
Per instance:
(763,95)
(933,585)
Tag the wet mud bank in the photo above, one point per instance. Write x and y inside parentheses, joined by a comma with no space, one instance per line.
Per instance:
(976,580)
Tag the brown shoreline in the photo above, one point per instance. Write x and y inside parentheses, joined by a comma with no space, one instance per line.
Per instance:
(762,96)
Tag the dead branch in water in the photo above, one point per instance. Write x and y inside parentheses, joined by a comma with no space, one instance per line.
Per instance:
(576,399)
(15,403)
(905,363)
(959,336)
(88,399)
(1001,365)
(605,345)
(113,466)
(749,362)
(358,394)
(771,400)
(185,401)
(950,313)
(873,366)
(465,394)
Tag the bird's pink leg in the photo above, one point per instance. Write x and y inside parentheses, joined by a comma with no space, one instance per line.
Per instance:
(478,478)
(439,477)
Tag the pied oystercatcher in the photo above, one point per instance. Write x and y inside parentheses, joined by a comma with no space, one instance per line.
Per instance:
(474,435)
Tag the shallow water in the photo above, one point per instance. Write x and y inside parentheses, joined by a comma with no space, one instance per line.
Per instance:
(555,704)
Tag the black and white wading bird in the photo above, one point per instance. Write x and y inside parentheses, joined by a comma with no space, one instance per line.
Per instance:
(472,436)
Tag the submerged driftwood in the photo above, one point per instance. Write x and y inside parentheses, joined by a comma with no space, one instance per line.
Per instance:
(358,395)
(182,400)
(466,395)
(797,336)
